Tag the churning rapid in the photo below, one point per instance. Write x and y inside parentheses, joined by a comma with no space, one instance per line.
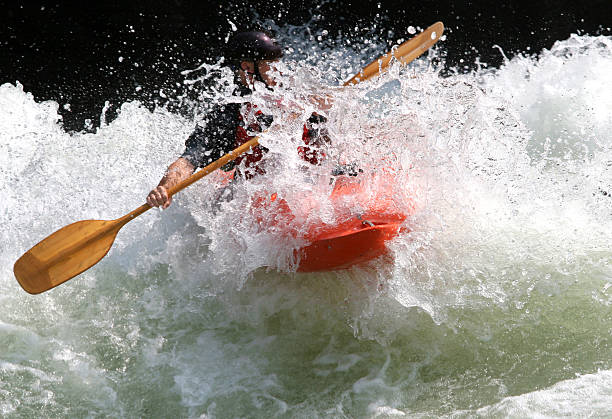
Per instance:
(495,303)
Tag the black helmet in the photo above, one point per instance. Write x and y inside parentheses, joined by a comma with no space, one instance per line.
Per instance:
(252,46)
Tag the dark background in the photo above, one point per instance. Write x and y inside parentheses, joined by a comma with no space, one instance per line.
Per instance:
(69,51)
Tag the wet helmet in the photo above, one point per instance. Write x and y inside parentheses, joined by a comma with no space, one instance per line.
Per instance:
(252,46)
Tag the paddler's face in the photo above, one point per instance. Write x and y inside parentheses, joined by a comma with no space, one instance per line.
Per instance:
(268,71)
(266,68)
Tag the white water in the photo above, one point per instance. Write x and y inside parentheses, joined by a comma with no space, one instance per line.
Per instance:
(497,303)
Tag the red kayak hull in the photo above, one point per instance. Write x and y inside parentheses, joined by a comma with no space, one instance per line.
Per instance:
(347,248)
(367,216)
(358,238)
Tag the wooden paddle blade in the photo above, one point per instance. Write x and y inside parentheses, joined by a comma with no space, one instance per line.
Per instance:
(65,254)
(405,53)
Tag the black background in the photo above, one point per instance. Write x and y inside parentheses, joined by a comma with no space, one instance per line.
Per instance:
(69,51)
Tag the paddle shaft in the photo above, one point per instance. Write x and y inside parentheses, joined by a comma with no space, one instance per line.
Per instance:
(232,155)
(404,53)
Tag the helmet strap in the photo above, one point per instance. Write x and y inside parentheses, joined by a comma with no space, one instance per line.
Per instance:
(256,73)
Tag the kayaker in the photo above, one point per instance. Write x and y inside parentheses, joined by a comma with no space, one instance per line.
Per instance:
(252,56)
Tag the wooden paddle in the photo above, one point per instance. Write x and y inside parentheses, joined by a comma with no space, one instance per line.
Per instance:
(78,246)
(405,53)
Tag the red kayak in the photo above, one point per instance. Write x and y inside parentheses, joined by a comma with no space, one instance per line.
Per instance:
(365,218)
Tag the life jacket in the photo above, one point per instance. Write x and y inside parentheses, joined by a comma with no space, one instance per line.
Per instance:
(315,136)
(251,120)
(311,152)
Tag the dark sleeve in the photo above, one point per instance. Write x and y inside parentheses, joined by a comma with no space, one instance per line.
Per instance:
(317,131)
(214,137)
(315,118)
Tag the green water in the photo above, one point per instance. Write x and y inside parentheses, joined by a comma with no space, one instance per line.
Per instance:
(311,346)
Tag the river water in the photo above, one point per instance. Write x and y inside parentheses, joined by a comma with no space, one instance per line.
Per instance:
(495,304)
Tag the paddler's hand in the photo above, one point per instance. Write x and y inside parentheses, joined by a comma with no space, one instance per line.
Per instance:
(177,171)
(158,197)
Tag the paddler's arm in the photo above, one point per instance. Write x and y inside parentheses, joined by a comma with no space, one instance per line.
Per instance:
(180,170)
(205,145)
